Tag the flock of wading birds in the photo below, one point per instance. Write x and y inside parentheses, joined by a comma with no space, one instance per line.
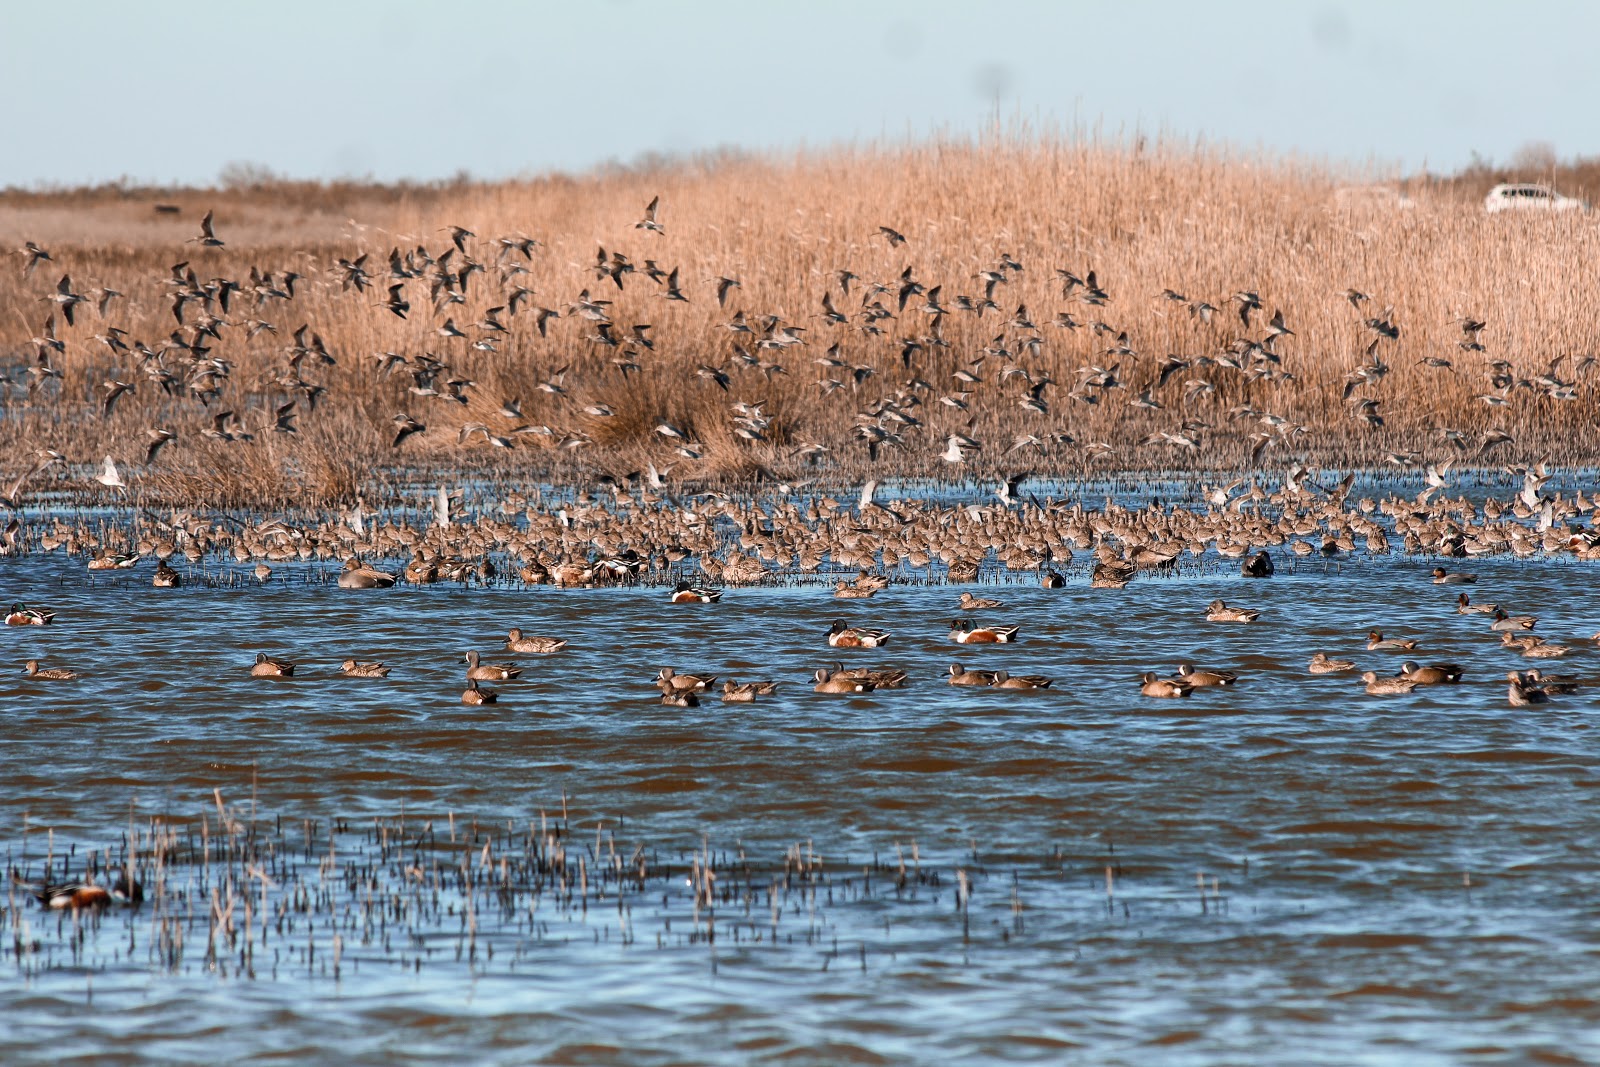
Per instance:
(640,538)
(917,393)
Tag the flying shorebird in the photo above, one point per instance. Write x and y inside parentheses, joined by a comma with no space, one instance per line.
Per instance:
(956,447)
(66,297)
(42,458)
(34,255)
(110,477)
(408,426)
(649,221)
(114,391)
(158,436)
(208,236)
(397,302)
(283,419)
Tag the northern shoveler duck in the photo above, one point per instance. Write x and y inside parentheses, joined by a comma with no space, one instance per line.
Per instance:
(668,679)
(968,632)
(489,672)
(684,593)
(959,675)
(166,577)
(838,682)
(1433,674)
(843,590)
(1386,686)
(1376,642)
(357,575)
(891,678)
(267,667)
(1544,650)
(979,603)
(88,894)
(22,615)
(842,636)
(1522,694)
(1465,606)
(530,644)
(1217,611)
(1257,565)
(114,561)
(49,674)
(743,693)
(475,694)
(1152,685)
(1444,577)
(1321,664)
(621,568)
(1204,679)
(1503,622)
(680,698)
(1002,680)
(354,668)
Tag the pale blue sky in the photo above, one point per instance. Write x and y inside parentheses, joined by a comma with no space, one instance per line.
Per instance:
(95,90)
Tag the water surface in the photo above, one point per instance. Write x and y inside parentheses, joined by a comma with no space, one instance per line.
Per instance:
(1385,879)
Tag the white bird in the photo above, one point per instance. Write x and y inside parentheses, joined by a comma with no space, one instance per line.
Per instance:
(441,508)
(955,446)
(866,494)
(110,477)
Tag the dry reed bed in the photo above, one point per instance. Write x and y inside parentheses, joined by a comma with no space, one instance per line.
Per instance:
(1204,223)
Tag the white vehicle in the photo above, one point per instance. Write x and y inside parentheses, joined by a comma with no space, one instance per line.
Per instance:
(1529,197)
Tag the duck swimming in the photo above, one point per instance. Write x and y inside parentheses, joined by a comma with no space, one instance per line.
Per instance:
(842,636)
(357,575)
(531,644)
(968,632)
(1386,686)
(1321,664)
(22,615)
(267,667)
(1152,685)
(1220,612)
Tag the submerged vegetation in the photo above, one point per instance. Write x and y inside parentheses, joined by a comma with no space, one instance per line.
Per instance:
(951,309)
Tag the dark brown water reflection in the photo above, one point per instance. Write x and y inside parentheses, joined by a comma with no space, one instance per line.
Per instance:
(1341,831)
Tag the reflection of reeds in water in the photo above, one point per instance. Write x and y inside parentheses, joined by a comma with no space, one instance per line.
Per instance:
(238,894)
(1195,223)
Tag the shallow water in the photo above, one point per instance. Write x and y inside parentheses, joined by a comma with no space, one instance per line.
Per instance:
(1405,879)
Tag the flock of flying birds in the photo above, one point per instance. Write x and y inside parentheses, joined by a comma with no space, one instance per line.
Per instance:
(937,392)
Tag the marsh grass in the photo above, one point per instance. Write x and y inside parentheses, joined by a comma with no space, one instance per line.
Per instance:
(1144,216)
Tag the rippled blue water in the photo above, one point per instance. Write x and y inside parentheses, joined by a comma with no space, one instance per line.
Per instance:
(1405,879)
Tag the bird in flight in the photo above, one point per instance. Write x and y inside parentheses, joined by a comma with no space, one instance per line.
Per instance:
(649,222)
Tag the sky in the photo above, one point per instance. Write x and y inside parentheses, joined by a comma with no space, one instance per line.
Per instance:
(163,92)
